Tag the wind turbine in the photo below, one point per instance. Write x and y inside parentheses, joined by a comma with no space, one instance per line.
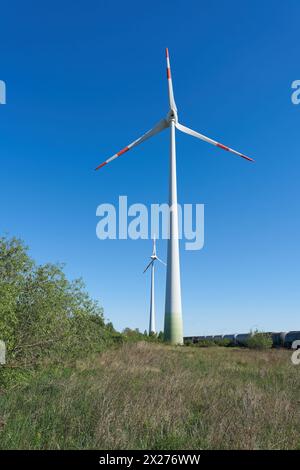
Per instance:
(173,316)
(154,258)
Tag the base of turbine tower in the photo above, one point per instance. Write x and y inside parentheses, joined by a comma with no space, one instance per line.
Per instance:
(173,331)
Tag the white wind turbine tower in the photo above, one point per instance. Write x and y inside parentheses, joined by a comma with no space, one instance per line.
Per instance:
(173,331)
(154,257)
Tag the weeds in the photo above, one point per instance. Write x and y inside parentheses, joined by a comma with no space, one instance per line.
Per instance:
(151,396)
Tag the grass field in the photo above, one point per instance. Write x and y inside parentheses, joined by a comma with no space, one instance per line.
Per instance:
(151,396)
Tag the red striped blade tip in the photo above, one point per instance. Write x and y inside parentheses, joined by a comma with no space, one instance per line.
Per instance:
(248,158)
(100,166)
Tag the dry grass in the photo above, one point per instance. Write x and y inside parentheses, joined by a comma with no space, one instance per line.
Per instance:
(149,396)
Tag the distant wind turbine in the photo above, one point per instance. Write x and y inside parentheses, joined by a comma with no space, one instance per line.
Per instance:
(173,330)
(154,257)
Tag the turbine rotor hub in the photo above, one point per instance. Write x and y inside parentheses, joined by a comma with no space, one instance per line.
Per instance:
(172,116)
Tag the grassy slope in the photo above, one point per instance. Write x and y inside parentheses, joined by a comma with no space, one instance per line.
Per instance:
(157,397)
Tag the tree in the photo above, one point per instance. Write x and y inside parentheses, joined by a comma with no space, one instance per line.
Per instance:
(42,313)
(15,265)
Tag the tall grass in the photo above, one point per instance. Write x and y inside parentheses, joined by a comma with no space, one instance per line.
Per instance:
(152,396)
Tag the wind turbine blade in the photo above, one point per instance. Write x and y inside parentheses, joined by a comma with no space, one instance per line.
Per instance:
(154,246)
(151,262)
(163,124)
(186,130)
(161,261)
(170,84)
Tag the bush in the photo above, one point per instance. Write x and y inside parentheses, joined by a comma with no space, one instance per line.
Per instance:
(225,342)
(259,341)
(205,343)
(135,335)
(43,314)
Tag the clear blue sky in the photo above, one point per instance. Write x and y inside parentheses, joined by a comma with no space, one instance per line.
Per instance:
(85,78)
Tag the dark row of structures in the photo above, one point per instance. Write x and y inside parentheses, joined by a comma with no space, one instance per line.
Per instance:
(282,339)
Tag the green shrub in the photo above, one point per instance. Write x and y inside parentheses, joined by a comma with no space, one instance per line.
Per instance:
(259,341)
(205,343)
(42,314)
(225,342)
(133,336)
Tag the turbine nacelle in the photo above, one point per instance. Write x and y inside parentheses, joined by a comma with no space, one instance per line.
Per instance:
(172,116)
